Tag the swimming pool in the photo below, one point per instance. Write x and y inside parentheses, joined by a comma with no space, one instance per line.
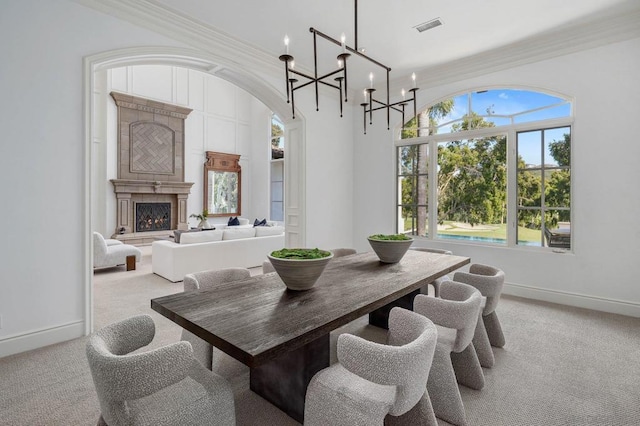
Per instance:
(485,239)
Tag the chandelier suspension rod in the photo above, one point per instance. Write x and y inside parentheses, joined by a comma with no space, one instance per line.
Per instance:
(355,19)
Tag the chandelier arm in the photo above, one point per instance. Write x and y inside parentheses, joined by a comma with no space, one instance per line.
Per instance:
(330,74)
(362,55)
(383,107)
(329,84)
(302,85)
(301,74)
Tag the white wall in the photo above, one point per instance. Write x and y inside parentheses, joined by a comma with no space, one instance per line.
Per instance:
(600,273)
(42,161)
(329,166)
(42,158)
(222,120)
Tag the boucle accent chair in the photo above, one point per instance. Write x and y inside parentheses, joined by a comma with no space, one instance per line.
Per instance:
(375,384)
(111,252)
(203,351)
(489,281)
(437,283)
(165,386)
(267,267)
(339,252)
(455,314)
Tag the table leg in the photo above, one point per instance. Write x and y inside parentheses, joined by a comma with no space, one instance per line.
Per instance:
(131,263)
(380,317)
(283,381)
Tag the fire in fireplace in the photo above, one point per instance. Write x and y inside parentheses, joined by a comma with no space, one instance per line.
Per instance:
(153,217)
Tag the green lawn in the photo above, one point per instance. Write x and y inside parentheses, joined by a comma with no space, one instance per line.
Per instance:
(491,231)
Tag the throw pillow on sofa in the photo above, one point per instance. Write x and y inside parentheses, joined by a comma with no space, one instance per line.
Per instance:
(262,222)
(233,221)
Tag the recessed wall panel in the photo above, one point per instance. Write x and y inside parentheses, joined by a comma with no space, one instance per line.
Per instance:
(153,81)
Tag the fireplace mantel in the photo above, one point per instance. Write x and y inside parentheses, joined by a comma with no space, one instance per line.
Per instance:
(150,187)
(129,192)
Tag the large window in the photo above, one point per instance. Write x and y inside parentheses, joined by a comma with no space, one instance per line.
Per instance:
(452,164)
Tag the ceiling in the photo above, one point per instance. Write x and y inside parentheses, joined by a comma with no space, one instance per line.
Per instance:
(386,27)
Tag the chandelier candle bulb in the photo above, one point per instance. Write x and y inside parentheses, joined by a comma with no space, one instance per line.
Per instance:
(343,38)
(364,94)
(339,63)
(413,78)
(371,80)
(286,44)
(403,93)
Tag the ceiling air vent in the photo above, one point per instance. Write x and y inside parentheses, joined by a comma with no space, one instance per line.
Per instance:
(428,25)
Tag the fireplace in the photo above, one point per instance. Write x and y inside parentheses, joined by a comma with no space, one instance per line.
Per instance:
(151,193)
(153,217)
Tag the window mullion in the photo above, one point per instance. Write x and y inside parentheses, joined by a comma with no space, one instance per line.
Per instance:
(433,189)
(512,189)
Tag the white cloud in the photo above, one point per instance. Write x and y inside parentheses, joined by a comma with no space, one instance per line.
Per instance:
(503,96)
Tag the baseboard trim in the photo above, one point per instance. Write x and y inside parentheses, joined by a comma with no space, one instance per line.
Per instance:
(40,338)
(574,299)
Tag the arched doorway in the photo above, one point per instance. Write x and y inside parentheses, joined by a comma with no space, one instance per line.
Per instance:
(199,61)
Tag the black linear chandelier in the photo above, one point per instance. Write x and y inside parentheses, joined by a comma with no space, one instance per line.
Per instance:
(370,104)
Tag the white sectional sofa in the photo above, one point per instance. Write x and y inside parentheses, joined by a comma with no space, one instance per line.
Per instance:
(243,247)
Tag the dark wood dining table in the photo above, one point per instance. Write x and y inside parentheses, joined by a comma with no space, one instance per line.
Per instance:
(283,335)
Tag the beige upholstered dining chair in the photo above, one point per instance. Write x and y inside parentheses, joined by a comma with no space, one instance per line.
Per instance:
(438,281)
(165,386)
(375,384)
(489,281)
(455,314)
(203,351)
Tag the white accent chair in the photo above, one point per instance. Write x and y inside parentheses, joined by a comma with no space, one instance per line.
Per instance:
(165,386)
(375,384)
(111,252)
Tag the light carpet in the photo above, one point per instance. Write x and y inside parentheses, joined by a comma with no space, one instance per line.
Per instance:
(561,365)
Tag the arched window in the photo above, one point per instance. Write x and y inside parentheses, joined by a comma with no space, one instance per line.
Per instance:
(453,181)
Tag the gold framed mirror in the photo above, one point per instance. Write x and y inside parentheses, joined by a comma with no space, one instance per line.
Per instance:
(222,184)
